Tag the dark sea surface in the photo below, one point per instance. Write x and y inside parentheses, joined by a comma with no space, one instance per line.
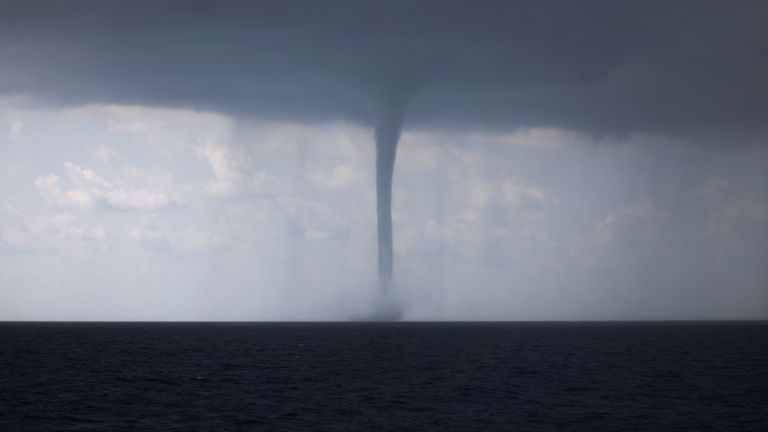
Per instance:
(383,377)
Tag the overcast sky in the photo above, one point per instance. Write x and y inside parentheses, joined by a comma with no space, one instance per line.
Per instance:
(559,160)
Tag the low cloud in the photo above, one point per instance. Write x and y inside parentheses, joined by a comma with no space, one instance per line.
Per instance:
(313,220)
(736,214)
(339,177)
(633,222)
(89,190)
(66,226)
(26,233)
(233,172)
(512,194)
(713,186)
(14,130)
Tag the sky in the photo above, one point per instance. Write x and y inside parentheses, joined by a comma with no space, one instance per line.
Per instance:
(558,160)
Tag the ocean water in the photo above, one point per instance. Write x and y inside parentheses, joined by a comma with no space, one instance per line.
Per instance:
(383,377)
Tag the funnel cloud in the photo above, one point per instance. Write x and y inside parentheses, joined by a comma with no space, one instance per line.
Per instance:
(387,131)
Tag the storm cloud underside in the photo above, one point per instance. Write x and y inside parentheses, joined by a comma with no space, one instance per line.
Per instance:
(603,67)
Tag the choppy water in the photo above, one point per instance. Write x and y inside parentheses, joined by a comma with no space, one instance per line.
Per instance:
(383,377)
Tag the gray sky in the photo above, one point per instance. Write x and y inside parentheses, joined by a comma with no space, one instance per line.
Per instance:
(559,160)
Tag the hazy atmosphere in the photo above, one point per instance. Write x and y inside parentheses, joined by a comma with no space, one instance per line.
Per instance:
(556,160)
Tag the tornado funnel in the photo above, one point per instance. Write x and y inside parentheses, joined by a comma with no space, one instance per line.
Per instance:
(388,122)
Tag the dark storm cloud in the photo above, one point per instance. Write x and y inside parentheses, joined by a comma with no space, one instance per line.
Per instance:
(671,67)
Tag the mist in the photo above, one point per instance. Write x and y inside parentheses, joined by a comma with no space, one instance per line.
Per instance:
(302,161)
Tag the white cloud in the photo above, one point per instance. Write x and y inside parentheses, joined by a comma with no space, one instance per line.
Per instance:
(49,187)
(631,222)
(330,141)
(642,208)
(514,194)
(86,178)
(522,138)
(316,221)
(713,186)
(136,199)
(340,177)
(195,242)
(90,189)
(21,232)
(497,222)
(229,168)
(142,232)
(417,156)
(15,129)
(66,226)
(750,209)
(455,227)
(14,233)
(157,127)
(105,154)
(606,229)
(192,239)
(233,173)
